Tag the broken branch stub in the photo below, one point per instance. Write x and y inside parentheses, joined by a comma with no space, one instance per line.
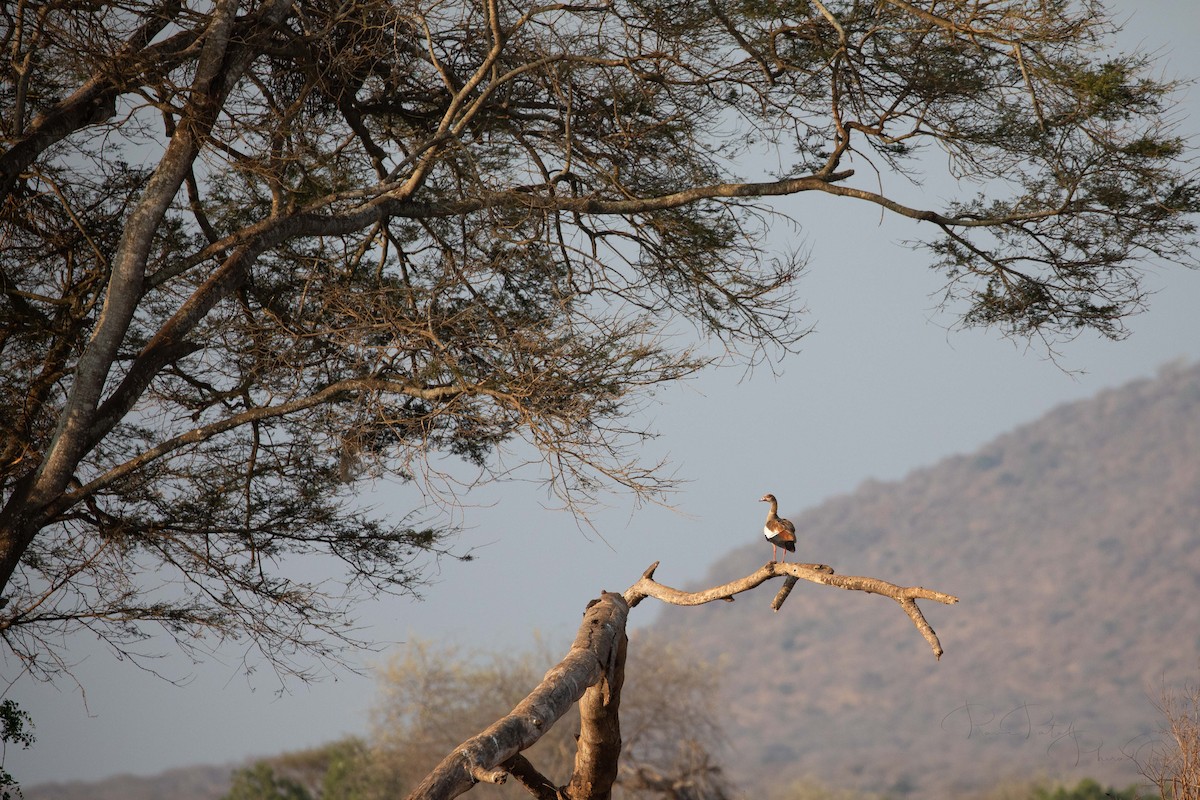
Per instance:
(480,757)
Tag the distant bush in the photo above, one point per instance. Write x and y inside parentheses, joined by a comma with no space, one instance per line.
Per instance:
(340,770)
(259,782)
(1086,789)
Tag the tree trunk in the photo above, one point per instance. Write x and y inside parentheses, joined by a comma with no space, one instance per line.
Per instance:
(599,748)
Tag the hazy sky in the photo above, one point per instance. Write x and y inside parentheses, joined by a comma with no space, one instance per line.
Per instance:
(880,388)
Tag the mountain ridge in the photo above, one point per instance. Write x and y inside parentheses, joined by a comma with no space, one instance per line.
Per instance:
(200,782)
(1074,544)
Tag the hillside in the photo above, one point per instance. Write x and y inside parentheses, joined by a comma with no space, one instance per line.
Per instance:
(185,783)
(1074,545)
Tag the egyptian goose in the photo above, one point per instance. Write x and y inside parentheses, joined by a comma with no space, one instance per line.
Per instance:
(779,531)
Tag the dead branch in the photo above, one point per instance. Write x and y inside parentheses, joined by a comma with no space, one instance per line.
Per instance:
(531,778)
(788,583)
(648,587)
(593,674)
(816,573)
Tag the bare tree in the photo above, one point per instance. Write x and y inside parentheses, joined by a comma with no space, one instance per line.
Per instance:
(251,250)
(593,674)
(1172,762)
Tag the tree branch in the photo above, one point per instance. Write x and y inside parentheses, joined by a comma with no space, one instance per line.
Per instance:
(648,587)
(439,393)
(531,778)
(906,596)
(387,200)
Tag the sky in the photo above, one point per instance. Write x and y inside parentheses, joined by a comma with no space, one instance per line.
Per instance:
(882,386)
